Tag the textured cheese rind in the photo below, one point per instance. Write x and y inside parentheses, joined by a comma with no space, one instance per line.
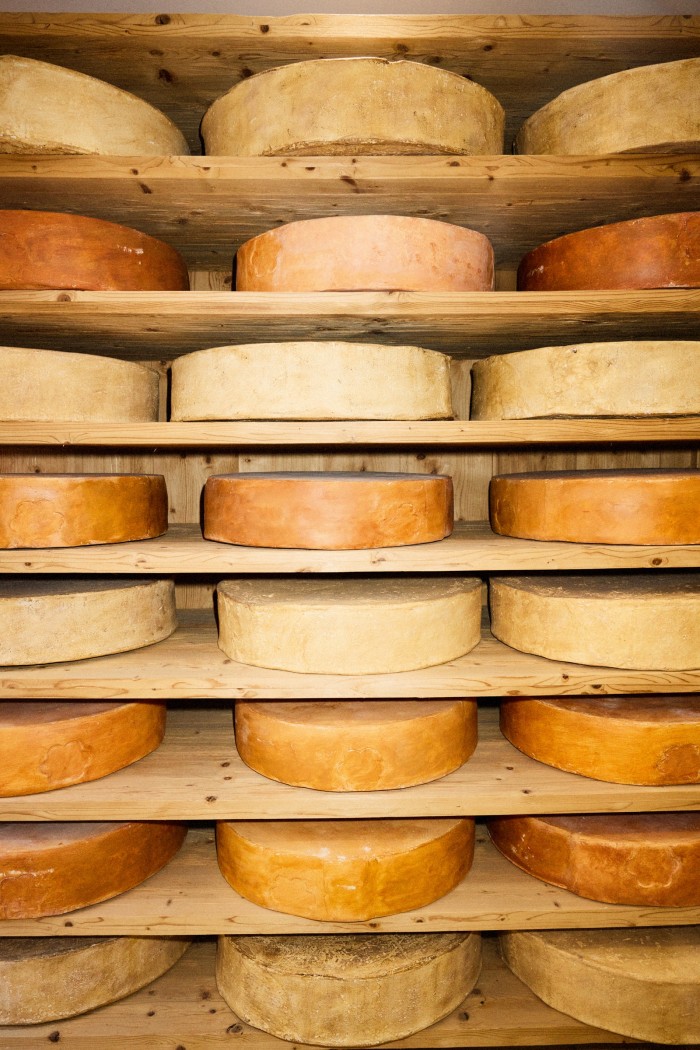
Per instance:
(56,620)
(301,380)
(355,745)
(635,378)
(378,107)
(46,108)
(648,621)
(48,978)
(642,983)
(349,626)
(351,990)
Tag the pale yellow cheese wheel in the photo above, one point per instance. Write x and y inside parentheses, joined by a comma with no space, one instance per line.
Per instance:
(365,625)
(348,990)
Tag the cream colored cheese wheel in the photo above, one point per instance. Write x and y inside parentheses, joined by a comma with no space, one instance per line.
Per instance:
(354,253)
(52,868)
(344,870)
(647,621)
(641,983)
(46,745)
(58,619)
(649,109)
(635,378)
(356,745)
(343,106)
(348,990)
(50,109)
(369,625)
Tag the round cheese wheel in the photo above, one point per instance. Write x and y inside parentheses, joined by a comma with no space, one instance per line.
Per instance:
(646,620)
(51,620)
(620,858)
(624,740)
(347,990)
(49,109)
(598,506)
(649,109)
(355,745)
(379,106)
(344,870)
(328,511)
(642,983)
(636,378)
(46,249)
(353,253)
(662,251)
(47,978)
(73,510)
(52,868)
(367,625)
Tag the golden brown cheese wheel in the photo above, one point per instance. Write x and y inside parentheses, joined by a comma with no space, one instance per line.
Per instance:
(56,619)
(73,510)
(643,620)
(52,868)
(598,506)
(354,253)
(379,106)
(46,249)
(649,109)
(344,870)
(662,251)
(328,511)
(347,990)
(621,739)
(50,109)
(367,625)
(355,745)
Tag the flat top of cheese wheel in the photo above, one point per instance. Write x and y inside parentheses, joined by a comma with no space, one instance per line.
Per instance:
(343,839)
(647,224)
(333,475)
(630,827)
(650,474)
(586,585)
(90,361)
(30,587)
(343,225)
(652,709)
(19,949)
(369,60)
(341,713)
(35,712)
(367,590)
(109,230)
(39,478)
(21,837)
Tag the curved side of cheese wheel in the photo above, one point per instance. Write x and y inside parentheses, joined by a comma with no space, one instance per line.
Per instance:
(345,871)
(364,989)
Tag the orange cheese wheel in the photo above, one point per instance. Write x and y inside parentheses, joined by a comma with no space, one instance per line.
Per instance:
(46,745)
(328,511)
(52,868)
(598,506)
(73,510)
(355,745)
(45,249)
(620,858)
(344,870)
(355,253)
(624,740)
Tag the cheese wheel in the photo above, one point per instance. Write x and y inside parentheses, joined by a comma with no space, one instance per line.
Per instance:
(367,625)
(620,858)
(328,511)
(355,745)
(636,378)
(73,510)
(46,249)
(52,620)
(312,381)
(598,506)
(53,868)
(353,253)
(624,740)
(649,109)
(347,990)
(49,109)
(344,870)
(647,621)
(662,251)
(46,745)
(48,978)
(379,106)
